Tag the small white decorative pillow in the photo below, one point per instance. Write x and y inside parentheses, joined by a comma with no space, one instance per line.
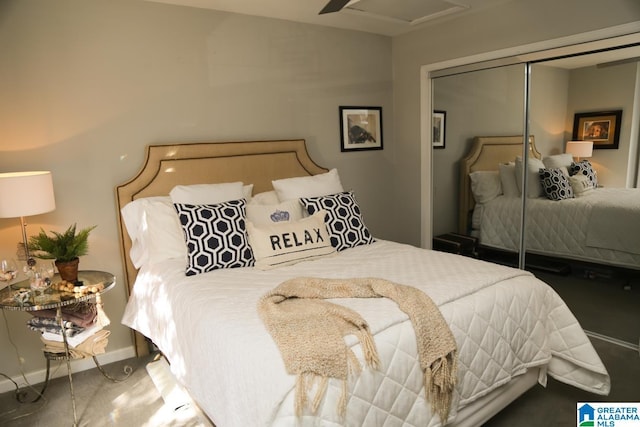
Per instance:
(585,168)
(507,172)
(207,194)
(287,243)
(534,186)
(581,184)
(215,236)
(558,161)
(154,229)
(344,219)
(308,186)
(485,185)
(269,214)
(265,198)
(555,184)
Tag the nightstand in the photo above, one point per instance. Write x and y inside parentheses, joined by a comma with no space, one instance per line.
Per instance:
(457,244)
(19,297)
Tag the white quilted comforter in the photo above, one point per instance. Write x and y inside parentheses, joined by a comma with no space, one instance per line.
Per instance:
(601,227)
(504,320)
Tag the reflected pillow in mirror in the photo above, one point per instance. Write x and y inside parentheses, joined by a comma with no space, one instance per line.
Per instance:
(555,184)
(534,185)
(507,172)
(485,185)
(559,161)
(581,185)
(585,168)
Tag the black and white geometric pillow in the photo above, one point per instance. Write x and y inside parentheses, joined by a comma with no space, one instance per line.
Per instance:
(555,184)
(215,235)
(584,167)
(344,219)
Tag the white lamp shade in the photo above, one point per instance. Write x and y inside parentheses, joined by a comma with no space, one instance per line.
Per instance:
(26,194)
(580,148)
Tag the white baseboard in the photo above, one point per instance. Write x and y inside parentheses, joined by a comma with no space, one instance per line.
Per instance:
(37,377)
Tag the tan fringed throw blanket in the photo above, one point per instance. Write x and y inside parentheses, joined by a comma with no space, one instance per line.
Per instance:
(310,335)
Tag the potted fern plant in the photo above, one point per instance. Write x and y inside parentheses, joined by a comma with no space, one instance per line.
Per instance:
(65,248)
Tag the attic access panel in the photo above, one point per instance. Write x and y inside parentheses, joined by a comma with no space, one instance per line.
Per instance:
(409,11)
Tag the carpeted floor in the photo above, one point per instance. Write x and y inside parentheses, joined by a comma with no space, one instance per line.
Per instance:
(138,402)
(609,305)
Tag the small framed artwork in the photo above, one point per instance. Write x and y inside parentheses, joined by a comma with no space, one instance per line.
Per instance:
(360,128)
(439,128)
(601,127)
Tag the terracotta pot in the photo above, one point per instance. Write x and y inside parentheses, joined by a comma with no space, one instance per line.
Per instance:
(68,270)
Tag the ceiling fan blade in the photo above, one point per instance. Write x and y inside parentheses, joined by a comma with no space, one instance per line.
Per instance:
(334,6)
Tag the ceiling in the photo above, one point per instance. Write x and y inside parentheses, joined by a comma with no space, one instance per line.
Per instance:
(385,17)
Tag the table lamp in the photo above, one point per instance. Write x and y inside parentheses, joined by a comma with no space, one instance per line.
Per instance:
(580,148)
(23,194)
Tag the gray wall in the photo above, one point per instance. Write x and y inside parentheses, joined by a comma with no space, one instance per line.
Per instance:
(86,85)
(601,89)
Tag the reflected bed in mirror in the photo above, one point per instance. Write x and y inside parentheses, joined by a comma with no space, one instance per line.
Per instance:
(598,226)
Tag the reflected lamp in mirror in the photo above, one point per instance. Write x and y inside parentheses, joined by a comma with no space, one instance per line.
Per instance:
(580,149)
(24,194)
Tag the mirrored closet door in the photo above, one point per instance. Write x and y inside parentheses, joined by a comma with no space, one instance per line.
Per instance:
(475,105)
(582,116)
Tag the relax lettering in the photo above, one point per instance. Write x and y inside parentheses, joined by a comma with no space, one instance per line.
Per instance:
(289,240)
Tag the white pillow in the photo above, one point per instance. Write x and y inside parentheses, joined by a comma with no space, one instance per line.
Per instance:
(534,185)
(207,194)
(507,172)
(485,185)
(288,243)
(155,230)
(581,184)
(265,198)
(290,210)
(559,161)
(247,191)
(323,184)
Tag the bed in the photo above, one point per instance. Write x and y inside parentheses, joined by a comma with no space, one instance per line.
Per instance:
(597,226)
(511,330)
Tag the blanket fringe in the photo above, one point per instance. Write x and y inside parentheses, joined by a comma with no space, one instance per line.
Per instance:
(439,382)
(369,348)
(323,382)
(353,364)
(342,403)
(301,394)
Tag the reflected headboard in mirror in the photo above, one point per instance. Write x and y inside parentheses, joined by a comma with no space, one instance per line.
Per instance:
(486,153)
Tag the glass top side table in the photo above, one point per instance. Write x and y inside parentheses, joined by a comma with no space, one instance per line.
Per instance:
(20,297)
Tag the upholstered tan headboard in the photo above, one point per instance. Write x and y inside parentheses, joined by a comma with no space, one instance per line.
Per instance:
(252,162)
(486,153)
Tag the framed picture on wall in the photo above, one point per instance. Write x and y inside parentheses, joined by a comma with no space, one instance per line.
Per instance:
(360,128)
(439,128)
(601,127)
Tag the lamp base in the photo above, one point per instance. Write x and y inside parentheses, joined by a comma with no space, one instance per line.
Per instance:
(21,255)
